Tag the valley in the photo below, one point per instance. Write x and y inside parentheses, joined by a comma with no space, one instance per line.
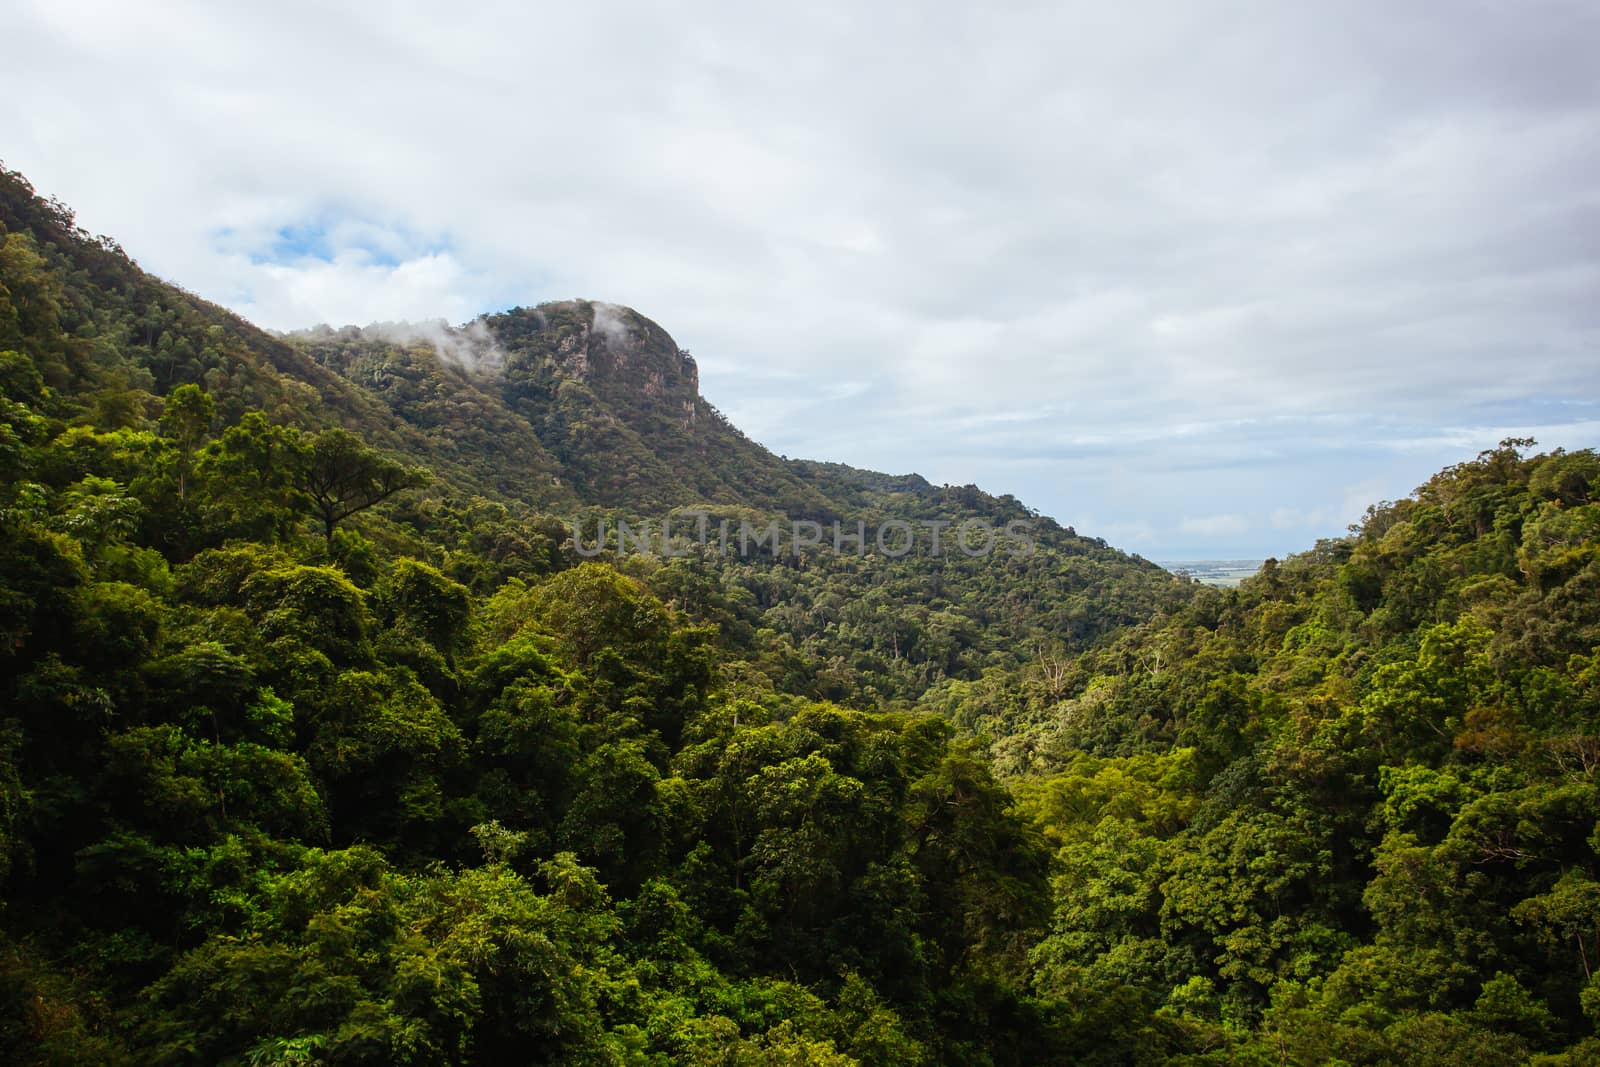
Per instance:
(323,740)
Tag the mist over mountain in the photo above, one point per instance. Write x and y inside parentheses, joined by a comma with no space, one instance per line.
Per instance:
(470,347)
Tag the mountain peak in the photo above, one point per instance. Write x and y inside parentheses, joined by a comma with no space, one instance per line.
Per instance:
(609,347)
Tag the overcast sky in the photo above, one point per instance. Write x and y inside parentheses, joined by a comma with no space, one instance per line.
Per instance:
(1203,279)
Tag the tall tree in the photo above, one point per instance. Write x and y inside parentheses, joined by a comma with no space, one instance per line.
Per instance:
(186,420)
(342,476)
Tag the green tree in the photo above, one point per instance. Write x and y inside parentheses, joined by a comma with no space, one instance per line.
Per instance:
(342,477)
(186,421)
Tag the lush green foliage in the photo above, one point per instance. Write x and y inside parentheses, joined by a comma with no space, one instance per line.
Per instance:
(1349,811)
(319,743)
(309,756)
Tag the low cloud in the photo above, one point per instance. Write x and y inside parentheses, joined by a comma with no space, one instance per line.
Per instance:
(471,347)
(611,323)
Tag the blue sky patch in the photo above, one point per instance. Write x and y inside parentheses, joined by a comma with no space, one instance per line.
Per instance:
(330,238)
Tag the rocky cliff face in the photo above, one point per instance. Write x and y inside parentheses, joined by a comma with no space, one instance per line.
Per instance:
(621,355)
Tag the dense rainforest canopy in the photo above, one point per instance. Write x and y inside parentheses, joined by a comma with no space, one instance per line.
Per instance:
(320,743)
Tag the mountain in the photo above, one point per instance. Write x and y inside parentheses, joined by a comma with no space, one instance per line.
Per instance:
(598,396)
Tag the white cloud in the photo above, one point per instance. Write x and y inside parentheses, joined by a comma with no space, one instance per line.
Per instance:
(282,295)
(471,347)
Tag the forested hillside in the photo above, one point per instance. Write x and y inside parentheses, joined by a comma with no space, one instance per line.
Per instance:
(1351,805)
(320,741)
